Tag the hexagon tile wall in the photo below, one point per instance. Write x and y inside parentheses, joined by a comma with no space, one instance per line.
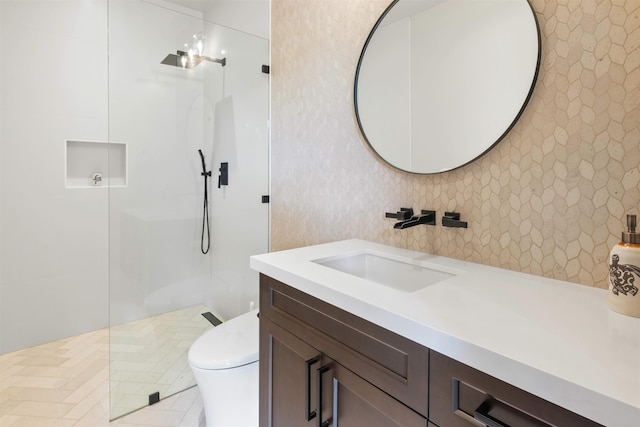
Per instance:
(550,199)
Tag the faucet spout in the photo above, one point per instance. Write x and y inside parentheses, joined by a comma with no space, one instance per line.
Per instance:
(426,217)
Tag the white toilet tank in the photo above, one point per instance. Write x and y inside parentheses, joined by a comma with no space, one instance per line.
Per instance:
(224,361)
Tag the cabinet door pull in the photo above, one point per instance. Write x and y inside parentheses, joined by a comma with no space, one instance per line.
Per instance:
(482,414)
(321,371)
(309,414)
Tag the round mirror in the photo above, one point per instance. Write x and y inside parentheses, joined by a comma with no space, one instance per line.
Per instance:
(440,82)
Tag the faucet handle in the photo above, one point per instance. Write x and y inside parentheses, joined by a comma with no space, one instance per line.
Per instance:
(402,214)
(452,219)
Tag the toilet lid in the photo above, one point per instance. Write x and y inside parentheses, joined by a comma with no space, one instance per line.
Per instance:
(232,344)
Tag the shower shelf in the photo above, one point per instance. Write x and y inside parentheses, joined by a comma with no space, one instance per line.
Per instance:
(86,159)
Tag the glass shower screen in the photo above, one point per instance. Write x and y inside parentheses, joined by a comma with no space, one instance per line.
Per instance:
(179,84)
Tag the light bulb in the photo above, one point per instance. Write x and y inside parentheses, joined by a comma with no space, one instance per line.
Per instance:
(198,42)
(200,45)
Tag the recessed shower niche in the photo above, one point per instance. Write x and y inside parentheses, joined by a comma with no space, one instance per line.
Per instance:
(95,164)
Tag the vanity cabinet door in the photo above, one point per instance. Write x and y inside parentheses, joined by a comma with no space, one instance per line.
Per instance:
(390,362)
(357,403)
(297,382)
(288,380)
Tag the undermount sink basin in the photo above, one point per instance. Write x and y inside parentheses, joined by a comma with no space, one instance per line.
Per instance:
(404,275)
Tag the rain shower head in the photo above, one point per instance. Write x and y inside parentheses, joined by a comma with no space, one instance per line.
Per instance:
(181,59)
(176,60)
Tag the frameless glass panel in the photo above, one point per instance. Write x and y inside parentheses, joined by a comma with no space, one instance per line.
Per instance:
(166,108)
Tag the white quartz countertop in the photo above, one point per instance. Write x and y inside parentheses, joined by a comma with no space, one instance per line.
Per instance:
(555,339)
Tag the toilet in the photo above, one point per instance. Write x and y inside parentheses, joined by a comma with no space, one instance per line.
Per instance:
(224,361)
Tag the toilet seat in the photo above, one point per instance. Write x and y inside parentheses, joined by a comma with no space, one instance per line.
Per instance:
(230,345)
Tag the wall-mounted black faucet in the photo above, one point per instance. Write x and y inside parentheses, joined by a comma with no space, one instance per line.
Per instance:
(452,219)
(407,219)
(425,217)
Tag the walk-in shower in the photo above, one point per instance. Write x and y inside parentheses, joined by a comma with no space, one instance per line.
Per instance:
(125,252)
(170,229)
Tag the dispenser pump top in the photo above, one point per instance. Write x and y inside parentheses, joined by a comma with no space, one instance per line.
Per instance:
(631,236)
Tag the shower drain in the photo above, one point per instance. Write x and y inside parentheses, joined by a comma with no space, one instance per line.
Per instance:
(211,318)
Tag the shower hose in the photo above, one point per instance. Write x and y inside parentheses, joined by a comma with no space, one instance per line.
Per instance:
(205,209)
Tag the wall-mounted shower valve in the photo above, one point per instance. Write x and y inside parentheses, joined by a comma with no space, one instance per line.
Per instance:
(96,179)
(223,178)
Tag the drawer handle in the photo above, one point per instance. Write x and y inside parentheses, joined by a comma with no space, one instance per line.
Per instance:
(309,414)
(482,414)
(321,371)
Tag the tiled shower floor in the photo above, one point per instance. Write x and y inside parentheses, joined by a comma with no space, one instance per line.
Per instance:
(150,355)
(66,382)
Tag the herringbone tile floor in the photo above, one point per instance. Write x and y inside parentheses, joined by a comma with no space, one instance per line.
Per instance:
(66,382)
(150,355)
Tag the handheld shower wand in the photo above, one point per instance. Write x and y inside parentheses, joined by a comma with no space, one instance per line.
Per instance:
(205,212)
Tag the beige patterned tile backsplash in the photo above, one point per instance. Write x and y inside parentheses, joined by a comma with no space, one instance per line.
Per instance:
(550,199)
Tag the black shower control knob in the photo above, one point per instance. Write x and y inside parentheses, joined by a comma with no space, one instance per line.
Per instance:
(223,178)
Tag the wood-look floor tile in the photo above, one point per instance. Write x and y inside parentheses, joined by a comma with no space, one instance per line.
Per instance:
(66,382)
(31,421)
(93,383)
(42,361)
(8,420)
(86,374)
(37,382)
(41,409)
(96,397)
(38,394)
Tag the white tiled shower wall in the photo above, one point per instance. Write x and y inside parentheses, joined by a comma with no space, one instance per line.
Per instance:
(56,243)
(54,249)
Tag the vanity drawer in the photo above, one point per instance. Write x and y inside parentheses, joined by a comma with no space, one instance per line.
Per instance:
(461,396)
(393,363)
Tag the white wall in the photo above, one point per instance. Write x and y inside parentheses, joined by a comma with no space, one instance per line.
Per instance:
(240,222)
(1,114)
(239,219)
(54,251)
(249,16)
(156,263)
(159,112)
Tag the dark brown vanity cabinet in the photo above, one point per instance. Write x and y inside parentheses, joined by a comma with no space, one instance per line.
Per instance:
(321,366)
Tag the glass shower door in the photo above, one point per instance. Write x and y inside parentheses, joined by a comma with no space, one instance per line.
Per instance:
(165,108)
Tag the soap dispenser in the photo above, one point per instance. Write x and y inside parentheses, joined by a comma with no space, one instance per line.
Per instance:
(624,272)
